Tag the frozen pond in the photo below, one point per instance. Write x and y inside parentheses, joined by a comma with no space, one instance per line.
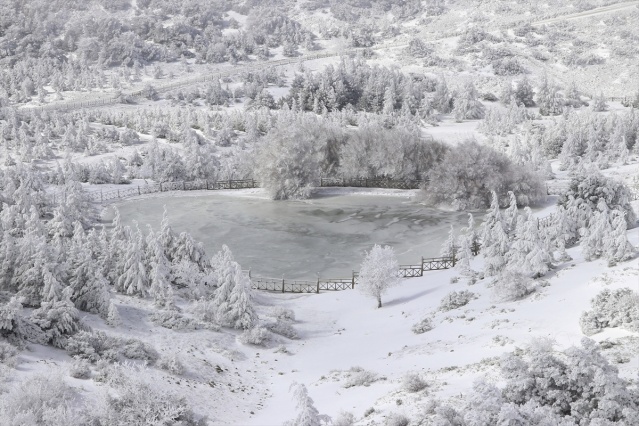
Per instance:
(299,239)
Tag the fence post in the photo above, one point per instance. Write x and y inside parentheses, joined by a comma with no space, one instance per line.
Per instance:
(230,184)
(318,282)
(282,284)
(454,258)
(139,192)
(353,282)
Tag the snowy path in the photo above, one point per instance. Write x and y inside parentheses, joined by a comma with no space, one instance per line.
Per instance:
(588,13)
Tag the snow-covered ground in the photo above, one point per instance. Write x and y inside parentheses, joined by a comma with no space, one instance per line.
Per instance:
(237,384)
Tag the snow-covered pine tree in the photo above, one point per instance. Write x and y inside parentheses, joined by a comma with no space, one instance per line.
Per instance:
(616,247)
(448,249)
(113,316)
(307,414)
(464,256)
(160,278)
(495,246)
(238,311)
(467,105)
(134,277)
(166,237)
(58,320)
(528,253)
(224,269)
(593,235)
(510,214)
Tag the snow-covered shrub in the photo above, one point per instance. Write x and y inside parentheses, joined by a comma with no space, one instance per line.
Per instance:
(95,346)
(8,353)
(283,328)
(80,369)
(344,418)
(413,382)
(172,364)
(508,66)
(283,313)
(40,400)
(172,320)
(92,346)
(139,401)
(511,285)
(396,419)
(456,299)
(617,308)
(259,336)
(357,376)
(137,349)
(422,326)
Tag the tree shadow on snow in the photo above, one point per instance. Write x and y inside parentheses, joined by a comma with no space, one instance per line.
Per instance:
(409,298)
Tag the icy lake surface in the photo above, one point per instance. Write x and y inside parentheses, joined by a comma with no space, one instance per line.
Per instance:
(299,239)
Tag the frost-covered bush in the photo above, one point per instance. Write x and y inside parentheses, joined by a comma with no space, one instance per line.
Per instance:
(396,419)
(40,400)
(138,400)
(543,387)
(456,299)
(469,173)
(80,369)
(283,313)
(617,308)
(172,364)
(413,382)
(95,346)
(283,328)
(357,376)
(258,336)
(422,326)
(508,66)
(8,353)
(172,320)
(511,286)
(344,418)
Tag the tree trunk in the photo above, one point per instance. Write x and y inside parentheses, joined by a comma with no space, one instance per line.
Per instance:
(379,302)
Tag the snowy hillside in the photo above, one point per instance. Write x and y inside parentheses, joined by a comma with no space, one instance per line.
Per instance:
(198,201)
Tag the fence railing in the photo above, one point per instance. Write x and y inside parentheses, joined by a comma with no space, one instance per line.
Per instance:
(283,285)
(371,183)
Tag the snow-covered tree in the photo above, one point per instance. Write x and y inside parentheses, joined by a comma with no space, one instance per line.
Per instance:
(307,414)
(160,277)
(113,316)
(528,252)
(616,247)
(379,272)
(238,312)
(448,248)
(467,105)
